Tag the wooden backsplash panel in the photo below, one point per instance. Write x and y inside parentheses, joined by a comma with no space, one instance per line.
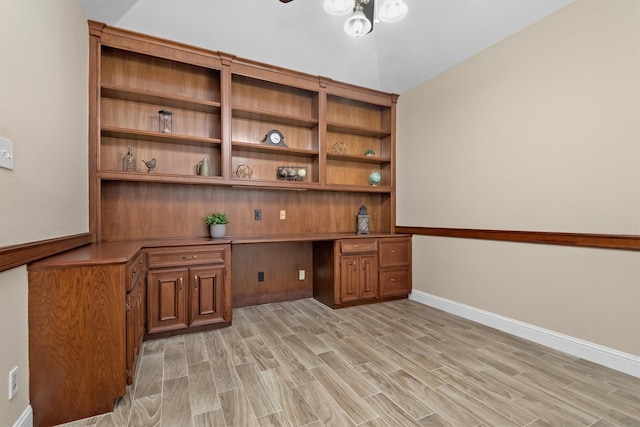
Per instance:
(155,210)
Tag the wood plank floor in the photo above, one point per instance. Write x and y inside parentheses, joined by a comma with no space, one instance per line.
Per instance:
(393,364)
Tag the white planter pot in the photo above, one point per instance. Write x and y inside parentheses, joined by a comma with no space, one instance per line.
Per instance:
(217,231)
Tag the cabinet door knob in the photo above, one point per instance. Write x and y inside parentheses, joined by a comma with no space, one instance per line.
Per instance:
(196,280)
(180,281)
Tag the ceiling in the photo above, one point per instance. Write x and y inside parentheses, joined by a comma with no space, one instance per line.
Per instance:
(395,57)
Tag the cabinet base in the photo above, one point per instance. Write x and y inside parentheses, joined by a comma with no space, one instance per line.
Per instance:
(189,330)
(361,302)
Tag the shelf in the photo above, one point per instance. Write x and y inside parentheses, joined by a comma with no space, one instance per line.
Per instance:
(262,148)
(358,158)
(275,184)
(173,138)
(160,177)
(358,188)
(155,177)
(151,97)
(269,116)
(357,130)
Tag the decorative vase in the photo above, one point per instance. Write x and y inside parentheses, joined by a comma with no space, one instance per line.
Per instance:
(375,178)
(217,231)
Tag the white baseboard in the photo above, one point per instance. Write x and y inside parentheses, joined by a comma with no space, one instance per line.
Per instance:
(614,359)
(26,419)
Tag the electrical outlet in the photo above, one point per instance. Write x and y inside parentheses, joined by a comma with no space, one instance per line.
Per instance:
(257,214)
(13,382)
(283,214)
(260,276)
(301,274)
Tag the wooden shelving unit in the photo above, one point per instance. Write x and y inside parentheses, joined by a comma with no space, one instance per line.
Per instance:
(223,107)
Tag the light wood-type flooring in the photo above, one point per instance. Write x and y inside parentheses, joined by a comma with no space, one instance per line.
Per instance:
(393,364)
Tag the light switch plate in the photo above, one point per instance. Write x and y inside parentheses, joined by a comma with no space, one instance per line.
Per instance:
(6,153)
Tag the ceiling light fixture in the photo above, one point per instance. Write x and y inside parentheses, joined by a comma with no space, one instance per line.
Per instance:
(339,7)
(392,10)
(359,23)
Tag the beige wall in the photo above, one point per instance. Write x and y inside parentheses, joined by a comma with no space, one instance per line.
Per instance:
(43,110)
(539,132)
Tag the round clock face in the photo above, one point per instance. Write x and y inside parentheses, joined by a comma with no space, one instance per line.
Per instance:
(275,138)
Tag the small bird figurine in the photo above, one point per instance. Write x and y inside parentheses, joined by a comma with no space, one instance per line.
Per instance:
(150,164)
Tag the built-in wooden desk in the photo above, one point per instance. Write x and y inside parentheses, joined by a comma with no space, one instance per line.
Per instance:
(90,308)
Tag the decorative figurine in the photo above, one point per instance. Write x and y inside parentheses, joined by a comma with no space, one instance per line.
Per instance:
(151,164)
(369,152)
(129,161)
(362,221)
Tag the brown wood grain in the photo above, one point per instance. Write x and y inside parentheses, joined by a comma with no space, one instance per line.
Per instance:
(137,210)
(24,253)
(221,104)
(280,263)
(77,341)
(604,241)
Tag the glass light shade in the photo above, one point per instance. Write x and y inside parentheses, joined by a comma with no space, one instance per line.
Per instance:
(339,7)
(392,10)
(357,25)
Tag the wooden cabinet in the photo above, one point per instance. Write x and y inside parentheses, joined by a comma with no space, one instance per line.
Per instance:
(85,325)
(188,287)
(358,269)
(358,277)
(206,296)
(167,300)
(395,266)
(361,270)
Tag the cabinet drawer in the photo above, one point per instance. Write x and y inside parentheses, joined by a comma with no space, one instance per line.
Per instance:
(358,246)
(395,252)
(395,282)
(186,255)
(136,270)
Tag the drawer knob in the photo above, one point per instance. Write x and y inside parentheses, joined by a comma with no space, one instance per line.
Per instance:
(190,257)
(394,251)
(394,279)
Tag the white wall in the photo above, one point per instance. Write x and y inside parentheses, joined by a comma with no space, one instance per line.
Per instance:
(539,132)
(44,111)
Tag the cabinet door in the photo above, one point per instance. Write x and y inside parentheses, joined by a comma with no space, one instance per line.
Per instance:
(167,303)
(206,295)
(368,276)
(349,278)
(136,305)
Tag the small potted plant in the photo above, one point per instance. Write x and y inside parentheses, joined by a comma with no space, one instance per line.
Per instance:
(217,223)
(369,152)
